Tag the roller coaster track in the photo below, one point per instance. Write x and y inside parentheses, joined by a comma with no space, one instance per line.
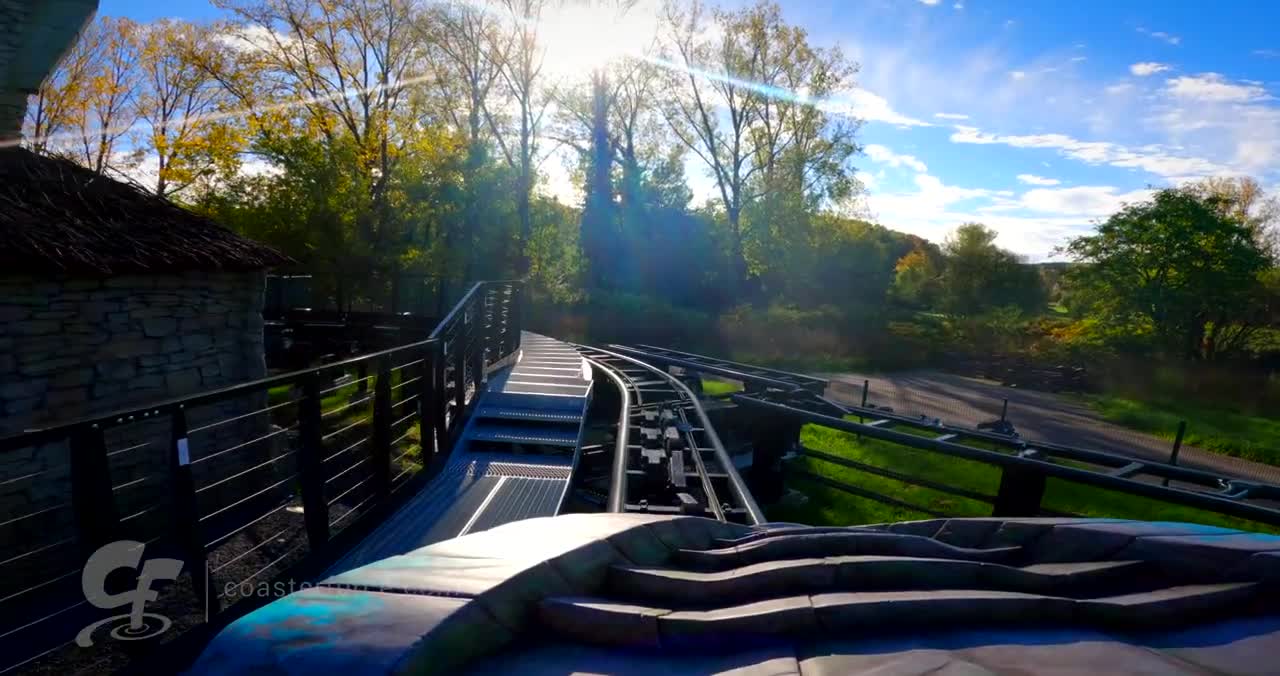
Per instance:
(668,458)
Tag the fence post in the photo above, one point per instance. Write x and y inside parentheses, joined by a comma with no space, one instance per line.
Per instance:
(381,452)
(1004,410)
(186,517)
(315,512)
(91,498)
(1177,446)
(1021,489)
(866,386)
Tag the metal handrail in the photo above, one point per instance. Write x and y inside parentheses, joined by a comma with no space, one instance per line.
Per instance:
(124,415)
(134,413)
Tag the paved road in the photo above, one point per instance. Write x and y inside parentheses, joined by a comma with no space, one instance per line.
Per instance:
(1038,416)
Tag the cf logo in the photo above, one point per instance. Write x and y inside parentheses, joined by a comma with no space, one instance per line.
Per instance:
(125,554)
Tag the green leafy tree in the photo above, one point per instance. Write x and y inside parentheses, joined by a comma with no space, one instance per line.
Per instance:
(979,276)
(915,279)
(1181,263)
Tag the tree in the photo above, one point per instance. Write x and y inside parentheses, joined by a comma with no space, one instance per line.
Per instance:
(521,70)
(1182,263)
(915,279)
(1243,199)
(741,97)
(343,66)
(177,100)
(978,275)
(466,54)
(59,105)
(86,109)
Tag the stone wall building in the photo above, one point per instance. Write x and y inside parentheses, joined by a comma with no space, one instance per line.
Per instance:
(112,298)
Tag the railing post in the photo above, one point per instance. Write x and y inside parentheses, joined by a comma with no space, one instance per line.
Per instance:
(516,314)
(381,452)
(426,403)
(772,437)
(479,340)
(459,346)
(315,512)
(1021,489)
(186,514)
(362,375)
(1177,446)
(91,497)
(440,398)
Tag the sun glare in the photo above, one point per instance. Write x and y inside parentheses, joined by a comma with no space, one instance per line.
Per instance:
(580,37)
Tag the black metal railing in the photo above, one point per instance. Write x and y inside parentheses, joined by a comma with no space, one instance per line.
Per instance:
(1014,476)
(1024,469)
(246,484)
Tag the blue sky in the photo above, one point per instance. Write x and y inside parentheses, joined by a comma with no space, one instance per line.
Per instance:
(1036,118)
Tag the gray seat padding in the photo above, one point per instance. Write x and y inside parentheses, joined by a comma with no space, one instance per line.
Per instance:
(566,591)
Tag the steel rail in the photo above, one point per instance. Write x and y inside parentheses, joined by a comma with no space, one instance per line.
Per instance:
(807,382)
(737,486)
(618,477)
(709,368)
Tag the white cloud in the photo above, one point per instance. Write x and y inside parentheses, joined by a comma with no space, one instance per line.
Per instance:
(1120,88)
(1017,74)
(1267,53)
(1146,68)
(951,116)
(930,3)
(1212,87)
(1084,201)
(958,5)
(868,106)
(883,155)
(1032,179)
(1078,59)
(1162,36)
(1151,158)
(933,209)
(255,38)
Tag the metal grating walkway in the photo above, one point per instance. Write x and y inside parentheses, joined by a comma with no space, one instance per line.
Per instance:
(513,461)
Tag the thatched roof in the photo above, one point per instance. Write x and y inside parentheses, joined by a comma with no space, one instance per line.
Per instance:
(58,217)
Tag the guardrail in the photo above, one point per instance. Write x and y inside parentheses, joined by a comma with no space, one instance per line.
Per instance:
(244,484)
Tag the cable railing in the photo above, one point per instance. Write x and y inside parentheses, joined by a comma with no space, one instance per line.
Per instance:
(244,484)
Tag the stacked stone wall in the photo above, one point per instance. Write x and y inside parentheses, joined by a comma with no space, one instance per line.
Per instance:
(73,348)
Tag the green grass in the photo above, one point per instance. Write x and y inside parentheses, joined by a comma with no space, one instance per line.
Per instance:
(809,363)
(1251,437)
(830,506)
(714,387)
